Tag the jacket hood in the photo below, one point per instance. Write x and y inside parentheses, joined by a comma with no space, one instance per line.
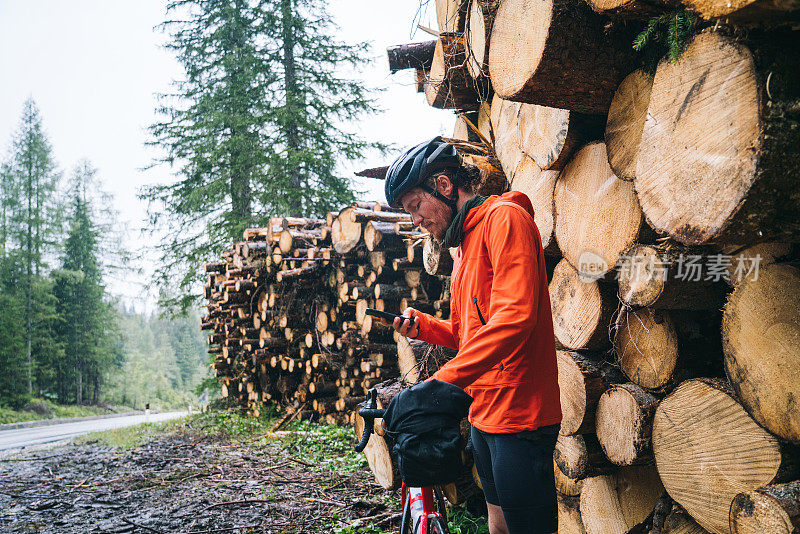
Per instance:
(476,215)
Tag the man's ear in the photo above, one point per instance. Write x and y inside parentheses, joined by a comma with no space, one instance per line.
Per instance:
(444,185)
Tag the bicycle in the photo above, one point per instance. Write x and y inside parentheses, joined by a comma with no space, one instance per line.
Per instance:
(423,507)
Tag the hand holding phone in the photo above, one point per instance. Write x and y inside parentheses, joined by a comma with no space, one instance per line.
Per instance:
(390,317)
(404,324)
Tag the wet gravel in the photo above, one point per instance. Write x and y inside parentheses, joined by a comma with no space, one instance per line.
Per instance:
(181,484)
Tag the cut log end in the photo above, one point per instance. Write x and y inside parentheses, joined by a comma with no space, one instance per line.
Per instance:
(708,449)
(761,341)
(582,309)
(626,118)
(624,423)
(588,190)
(646,344)
(714,171)
(774,509)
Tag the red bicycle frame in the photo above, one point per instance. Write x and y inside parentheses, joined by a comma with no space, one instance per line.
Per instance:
(422,507)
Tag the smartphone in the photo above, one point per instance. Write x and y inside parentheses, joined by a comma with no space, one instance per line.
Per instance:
(388,316)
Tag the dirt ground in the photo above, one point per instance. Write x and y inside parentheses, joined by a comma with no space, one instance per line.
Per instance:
(184,483)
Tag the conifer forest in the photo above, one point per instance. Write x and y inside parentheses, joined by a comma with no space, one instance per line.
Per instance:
(256,124)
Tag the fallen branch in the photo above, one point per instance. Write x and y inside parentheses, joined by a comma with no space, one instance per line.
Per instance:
(28,459)
(388,520)
(301,462)
(287,418)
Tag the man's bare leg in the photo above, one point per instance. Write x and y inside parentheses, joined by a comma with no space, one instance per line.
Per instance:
(497,522)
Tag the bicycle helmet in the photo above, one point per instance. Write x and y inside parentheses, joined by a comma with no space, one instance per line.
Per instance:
(411,169)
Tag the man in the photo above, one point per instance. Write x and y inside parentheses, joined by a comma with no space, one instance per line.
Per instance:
(501,325)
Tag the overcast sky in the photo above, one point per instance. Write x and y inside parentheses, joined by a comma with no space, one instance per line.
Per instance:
(94,67)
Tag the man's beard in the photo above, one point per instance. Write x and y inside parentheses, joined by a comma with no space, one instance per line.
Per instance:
(439,233)
(438,236)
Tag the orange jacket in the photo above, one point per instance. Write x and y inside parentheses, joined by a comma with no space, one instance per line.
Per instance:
(507,365)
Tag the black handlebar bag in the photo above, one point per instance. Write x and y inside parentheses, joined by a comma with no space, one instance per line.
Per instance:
(422,423)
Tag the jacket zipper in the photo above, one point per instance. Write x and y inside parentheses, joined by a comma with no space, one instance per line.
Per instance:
(480,315)
(483,322)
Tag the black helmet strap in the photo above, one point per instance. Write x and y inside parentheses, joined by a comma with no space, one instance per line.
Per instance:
(449,201)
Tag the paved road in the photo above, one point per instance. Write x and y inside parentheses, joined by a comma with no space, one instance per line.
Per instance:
(25,437)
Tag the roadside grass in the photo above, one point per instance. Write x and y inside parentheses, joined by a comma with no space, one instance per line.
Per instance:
(324,446)
(232,424)
(39,409)
(130,437)
(320,445)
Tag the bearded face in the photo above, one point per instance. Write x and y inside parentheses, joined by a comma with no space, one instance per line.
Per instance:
(428,211)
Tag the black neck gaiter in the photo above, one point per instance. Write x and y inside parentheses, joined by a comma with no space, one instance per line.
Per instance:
(455,232)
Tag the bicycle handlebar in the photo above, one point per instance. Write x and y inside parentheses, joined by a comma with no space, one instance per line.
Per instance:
(369,413)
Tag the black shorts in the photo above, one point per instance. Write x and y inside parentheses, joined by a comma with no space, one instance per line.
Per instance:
(516,472)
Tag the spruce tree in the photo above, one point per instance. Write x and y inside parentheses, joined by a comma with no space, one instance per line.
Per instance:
(9,198)
(13,379)
(31,211)
(86,321)
(257,127)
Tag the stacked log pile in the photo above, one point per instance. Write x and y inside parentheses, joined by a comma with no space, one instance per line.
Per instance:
(668,205)
(286,309)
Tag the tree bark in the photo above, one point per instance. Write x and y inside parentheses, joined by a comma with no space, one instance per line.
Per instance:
(411,56)
(633,9)
(749,12)
(292,103)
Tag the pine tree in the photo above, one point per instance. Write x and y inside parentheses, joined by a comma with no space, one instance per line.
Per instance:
(255,129)
(31,212)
